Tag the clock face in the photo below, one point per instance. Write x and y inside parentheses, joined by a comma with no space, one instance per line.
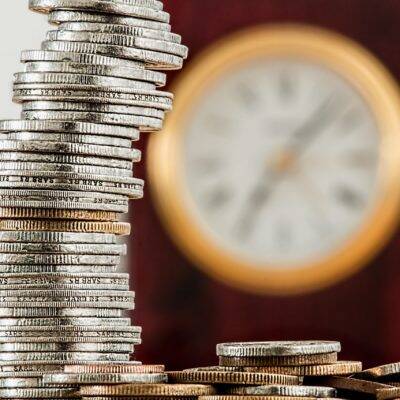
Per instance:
(281,160)
(279,169)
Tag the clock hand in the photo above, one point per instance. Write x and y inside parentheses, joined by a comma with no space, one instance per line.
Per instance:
(303,135)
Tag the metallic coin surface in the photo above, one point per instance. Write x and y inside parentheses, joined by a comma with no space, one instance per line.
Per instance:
(231,377)
(92,379)
(338,368)
(148,390)
(280,348)
(282,390)
(307,359)
(120,368)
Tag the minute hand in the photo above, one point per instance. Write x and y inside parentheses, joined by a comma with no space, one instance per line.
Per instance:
(313,126)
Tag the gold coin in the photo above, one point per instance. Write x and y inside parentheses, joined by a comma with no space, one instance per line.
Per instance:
(128,368)
(57,214)
(389,393)
(117,228)
(231,377)
(349,384)
(147,390)
(338,368)
(381,370)
(306,359)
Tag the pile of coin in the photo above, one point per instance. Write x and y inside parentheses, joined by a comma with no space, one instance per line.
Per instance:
(270,370)
(66,179)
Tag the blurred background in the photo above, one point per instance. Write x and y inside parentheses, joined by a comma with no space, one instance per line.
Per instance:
(186,306)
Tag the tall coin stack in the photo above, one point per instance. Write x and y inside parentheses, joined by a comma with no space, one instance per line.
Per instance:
(66,178)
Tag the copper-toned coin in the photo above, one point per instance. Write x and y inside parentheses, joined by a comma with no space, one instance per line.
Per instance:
(141,397)
(245,397)
(381,371)
(147,390)
(42,213)
(116,368)
(117,228)
(338,368)
(348,384)
(231,377)
(388,393)
(306,359)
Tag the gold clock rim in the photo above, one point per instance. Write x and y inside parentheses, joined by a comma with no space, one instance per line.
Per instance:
(379,90)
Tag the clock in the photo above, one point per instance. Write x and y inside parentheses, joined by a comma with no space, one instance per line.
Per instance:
(279,170)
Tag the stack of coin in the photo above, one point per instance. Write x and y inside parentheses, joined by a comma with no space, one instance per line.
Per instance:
(300,358)
(269,370)
(65,179)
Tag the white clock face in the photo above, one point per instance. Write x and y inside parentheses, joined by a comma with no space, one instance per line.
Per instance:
(281,161)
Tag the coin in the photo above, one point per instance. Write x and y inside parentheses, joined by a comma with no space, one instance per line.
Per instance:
(338,368)
(348,384)
(154,77)
(74,321)
(61,16)
(231,377)
(58,312)
(91,379)
(388,393)
(99,6)
(282,390)
(131,30)
(381,371)
(35,393)
(68,126)
(56,237)
(307,359)
(128,368)
(154,59)
(147,390)
(280,348)
(117,228)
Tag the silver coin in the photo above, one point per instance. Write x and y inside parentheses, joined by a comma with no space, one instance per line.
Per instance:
(68,148)
(278,348)
(157,78)
(70,138)
(156,60)
(105,379)
(28,78)
(113,39)
(69,330)
(74,337)
(64,321)
(32,368)
(38,393)
(57,237)
(44,195)
(134,191)
(59,312)
(66,168)
(63,356)
(69,177)
(57,269)
(80,58)
(101,6)
(131,30)
(68,127)
(68,259)
(90,107)
(25,382)
(144,123)
(61,16)
(158,100)
(283,390)
(108,162)
(68,347)
(60,204)
(84,248)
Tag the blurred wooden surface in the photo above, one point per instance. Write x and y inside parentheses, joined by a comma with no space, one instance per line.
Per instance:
(183,312)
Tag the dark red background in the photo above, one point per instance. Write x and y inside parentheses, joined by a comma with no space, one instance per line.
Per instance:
(183,312)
